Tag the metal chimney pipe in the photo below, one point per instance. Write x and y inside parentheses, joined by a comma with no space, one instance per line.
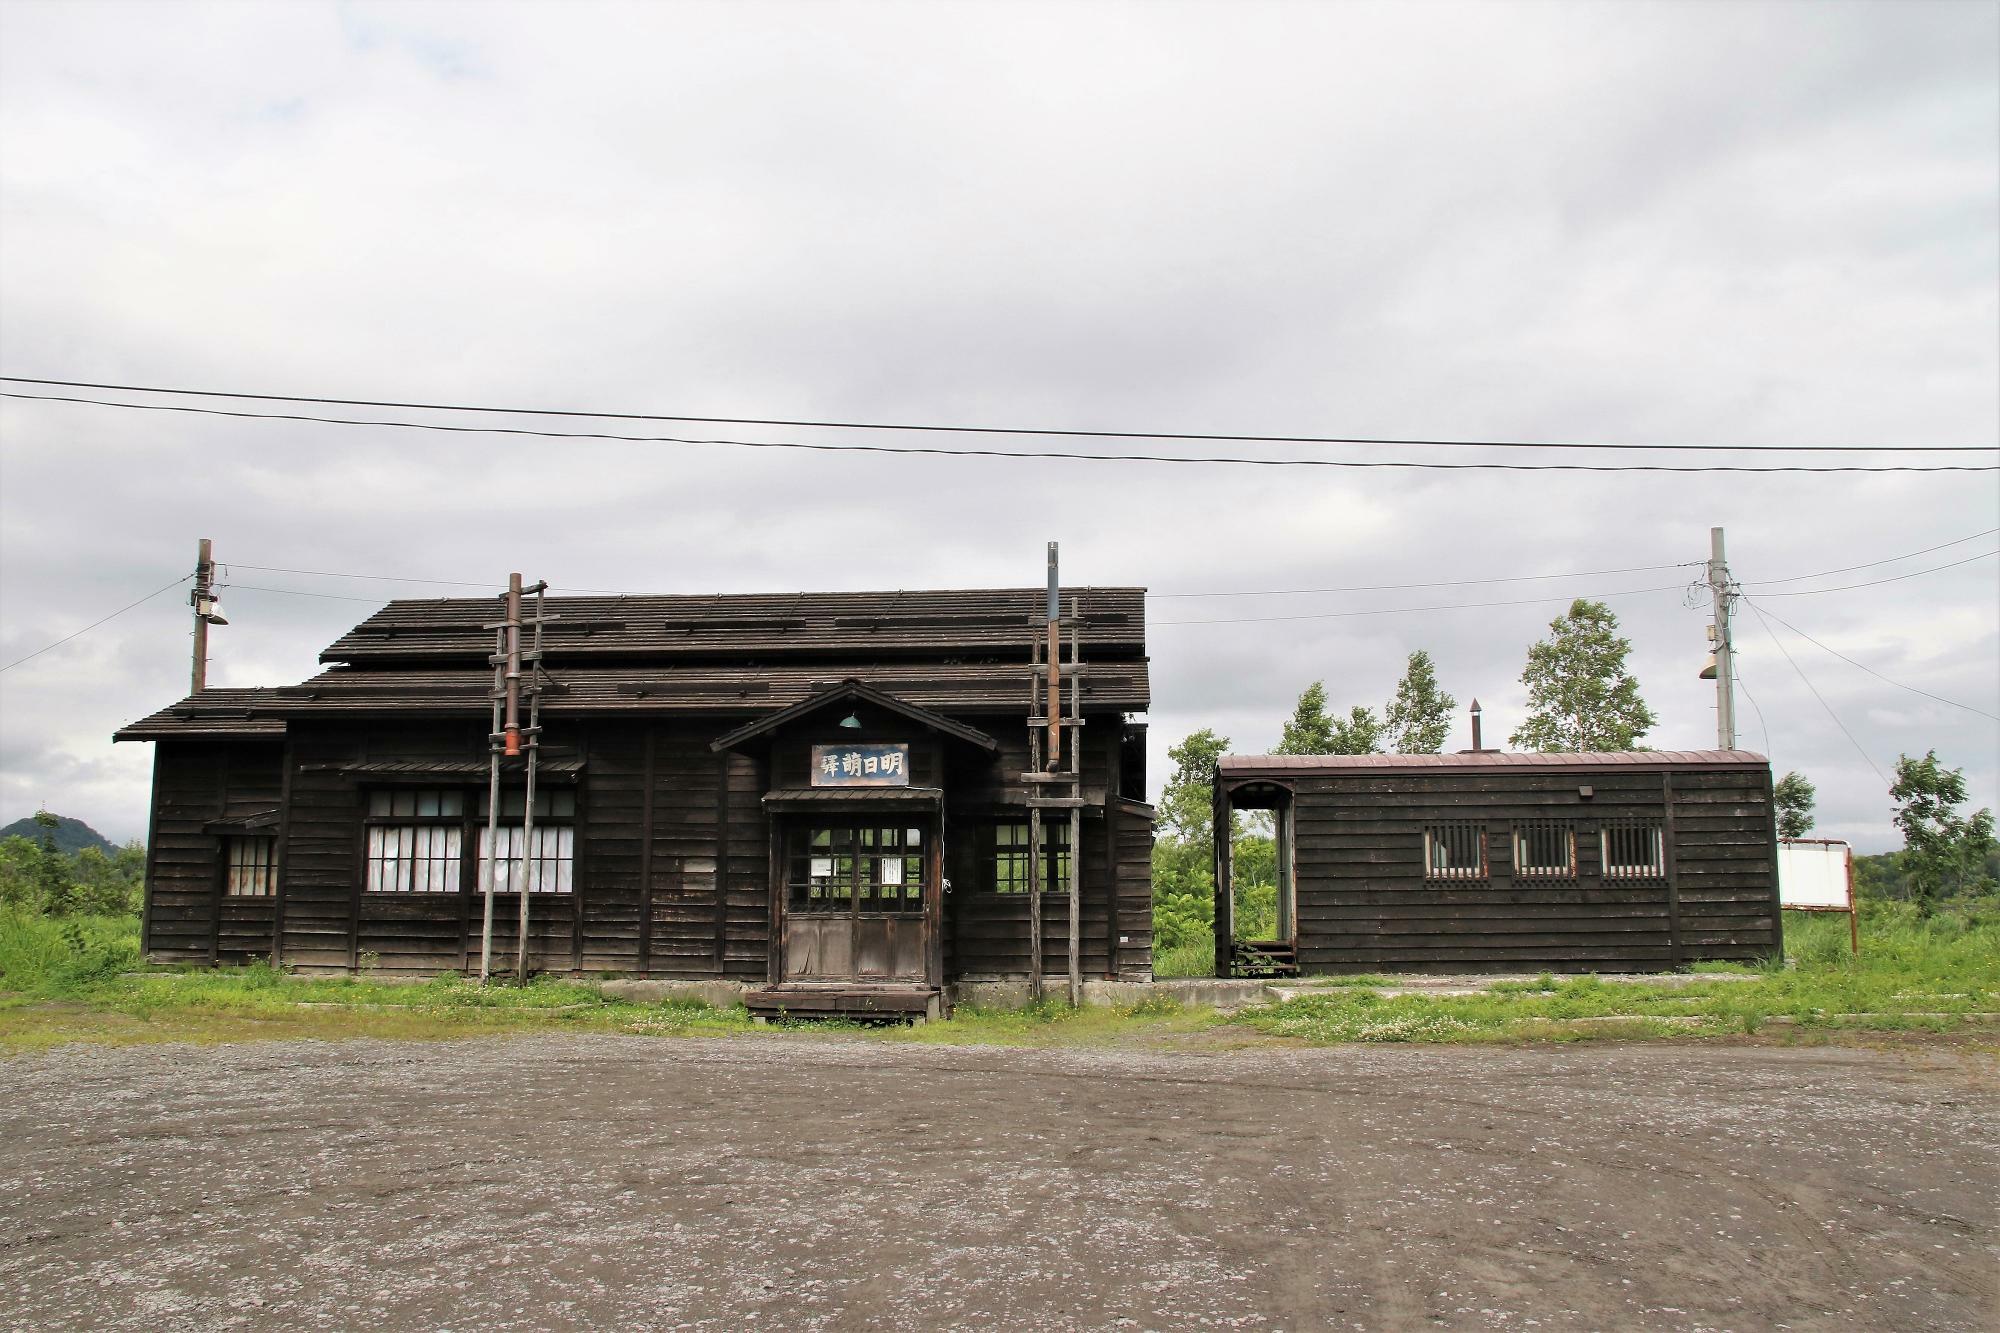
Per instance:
(1475,727)
(1055,661)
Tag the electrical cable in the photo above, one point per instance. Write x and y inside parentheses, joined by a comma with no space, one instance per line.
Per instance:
(1443,583)
(1402,610)
(992,430)
(1031,454)
(1736,678)
(95,623)
(1817,695)
(1876,583)
(1872,671)
(1849,569)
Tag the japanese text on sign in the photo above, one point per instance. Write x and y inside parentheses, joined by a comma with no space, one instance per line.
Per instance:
(860,765)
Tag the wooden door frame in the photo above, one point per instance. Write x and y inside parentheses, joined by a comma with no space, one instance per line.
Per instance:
(784,823)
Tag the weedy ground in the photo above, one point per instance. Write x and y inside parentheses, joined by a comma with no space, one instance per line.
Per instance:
(74,980)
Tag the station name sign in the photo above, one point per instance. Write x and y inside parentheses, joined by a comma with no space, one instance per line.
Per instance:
(861,765)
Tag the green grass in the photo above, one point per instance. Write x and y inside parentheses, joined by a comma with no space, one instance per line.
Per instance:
(1911,971)
(73,980)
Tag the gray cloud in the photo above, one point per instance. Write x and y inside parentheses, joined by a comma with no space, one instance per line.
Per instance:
(1769,224)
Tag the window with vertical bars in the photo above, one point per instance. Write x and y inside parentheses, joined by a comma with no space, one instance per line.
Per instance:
(1633,849)
(1455,851)
(552,868)
(250,867)
(1545,849)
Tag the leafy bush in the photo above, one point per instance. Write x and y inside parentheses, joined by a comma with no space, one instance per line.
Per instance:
(41,955)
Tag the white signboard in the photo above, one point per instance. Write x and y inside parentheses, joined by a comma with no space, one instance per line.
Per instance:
(1814,875)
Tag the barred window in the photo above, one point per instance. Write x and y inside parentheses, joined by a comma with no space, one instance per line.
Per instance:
(414,840)
(1010,857)
(1633,849)
(1545,849)
(1455,851)
(251,862)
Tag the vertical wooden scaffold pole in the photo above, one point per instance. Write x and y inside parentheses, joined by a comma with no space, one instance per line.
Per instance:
(506,638)
(1075,789)
(530,855)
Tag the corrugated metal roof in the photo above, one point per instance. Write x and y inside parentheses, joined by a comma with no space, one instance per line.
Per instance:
(921,796)
(928,622)
(1293,765)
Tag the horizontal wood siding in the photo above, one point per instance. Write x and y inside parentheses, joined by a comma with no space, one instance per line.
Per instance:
(1364,904)
(194,784)
(1134,831)
(610,841)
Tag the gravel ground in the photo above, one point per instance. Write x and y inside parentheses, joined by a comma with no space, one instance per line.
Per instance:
(564,1181)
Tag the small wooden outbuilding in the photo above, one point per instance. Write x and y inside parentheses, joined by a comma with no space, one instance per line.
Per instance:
(824,791)
(1484,860)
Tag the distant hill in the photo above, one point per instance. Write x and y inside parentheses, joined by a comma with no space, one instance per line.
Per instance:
(72,835)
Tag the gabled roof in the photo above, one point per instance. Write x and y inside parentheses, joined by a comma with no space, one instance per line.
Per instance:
(852,691)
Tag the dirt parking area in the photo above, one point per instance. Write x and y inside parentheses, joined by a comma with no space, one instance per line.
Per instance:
(561,1181)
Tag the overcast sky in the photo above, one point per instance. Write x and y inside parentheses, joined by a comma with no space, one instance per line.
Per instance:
(1652,223)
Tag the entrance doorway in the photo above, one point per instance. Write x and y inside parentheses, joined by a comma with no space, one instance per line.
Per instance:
(856,906)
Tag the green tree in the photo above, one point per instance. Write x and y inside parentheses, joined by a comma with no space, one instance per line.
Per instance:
(1793,797)
(52,877)
(1580,695)
(1187,802)
(1944,852)
(1418,719)
(1360,732)
(1310,729)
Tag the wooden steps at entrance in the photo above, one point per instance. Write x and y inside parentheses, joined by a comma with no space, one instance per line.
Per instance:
(1263,958)
(845,999)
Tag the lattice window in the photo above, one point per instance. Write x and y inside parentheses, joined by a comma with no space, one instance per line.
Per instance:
(252,862)
(1010,857)
(1633,849)
(870,868)
(1545,849)
(1455,852)
(415,840)
(554,860)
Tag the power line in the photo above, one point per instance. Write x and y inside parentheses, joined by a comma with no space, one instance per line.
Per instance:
(1736,678)
(1816,694)
(1401,610)
(1849,569)
(95,623)
(301,592)
(1876,583)
(1873,672)
(993,430)
(1033,454)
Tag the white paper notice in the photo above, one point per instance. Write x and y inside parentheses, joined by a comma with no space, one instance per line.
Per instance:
(892,870)
(822,867)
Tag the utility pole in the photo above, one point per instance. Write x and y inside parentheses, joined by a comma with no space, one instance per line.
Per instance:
(1723,592)
(206,613)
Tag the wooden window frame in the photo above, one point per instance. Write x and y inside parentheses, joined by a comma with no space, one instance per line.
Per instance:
(552,819)
(1526,829)
(1004,855)
(252,877)
(557,808)
(1626,871)
(856,888)
(1444,831)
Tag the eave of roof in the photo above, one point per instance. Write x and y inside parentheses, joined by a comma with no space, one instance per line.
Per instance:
(1245,766)
(855,691)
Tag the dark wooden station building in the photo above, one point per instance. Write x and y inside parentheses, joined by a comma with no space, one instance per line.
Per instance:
(1489,861)
(825,792)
